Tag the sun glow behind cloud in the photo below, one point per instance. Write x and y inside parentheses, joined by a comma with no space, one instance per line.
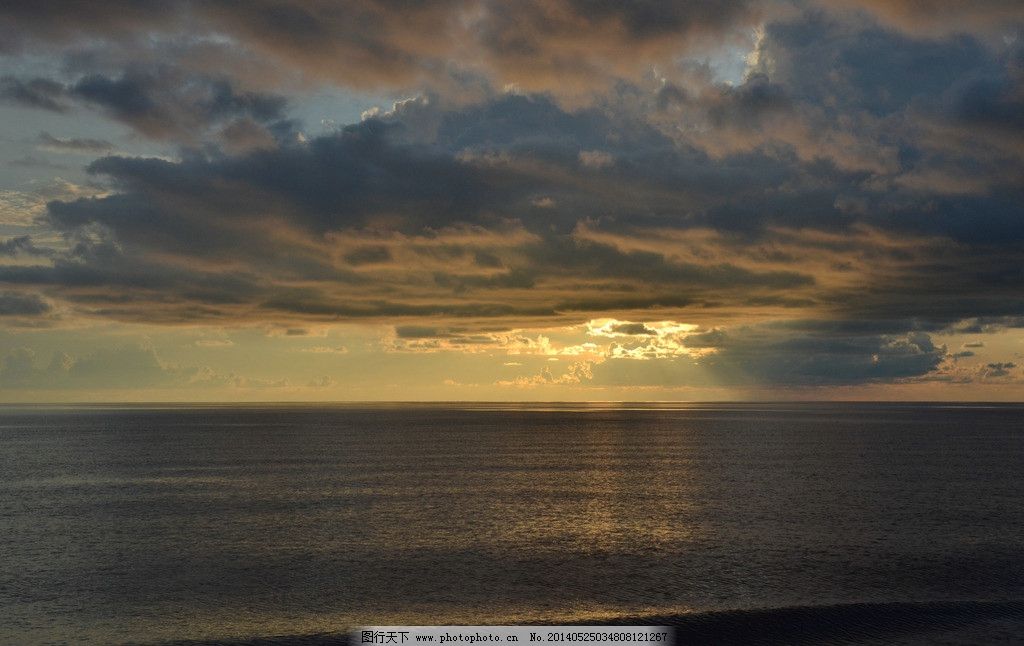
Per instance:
(547,199)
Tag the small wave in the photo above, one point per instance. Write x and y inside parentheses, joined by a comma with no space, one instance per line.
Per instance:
(853,623)
(316,639)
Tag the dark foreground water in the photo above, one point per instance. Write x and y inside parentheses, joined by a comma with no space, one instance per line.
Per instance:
(742,524)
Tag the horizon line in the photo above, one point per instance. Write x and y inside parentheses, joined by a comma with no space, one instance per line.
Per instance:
(506,402)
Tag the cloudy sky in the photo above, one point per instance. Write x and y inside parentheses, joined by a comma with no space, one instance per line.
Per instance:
(535,200)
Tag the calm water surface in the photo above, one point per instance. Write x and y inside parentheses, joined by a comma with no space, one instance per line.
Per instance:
(875,523)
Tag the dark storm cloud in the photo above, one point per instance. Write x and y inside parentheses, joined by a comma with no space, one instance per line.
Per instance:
(745,105)
(984,324)
(281,211)
(892,122)
(648,18)
(567,46)
(384,42)
(21,245)
(632,329)
(544,44)
(162,102)
(754,355)
(485,164)
(368,255)
(1002,369)
(39,93)
(159,101)
(760,354)
(995,101)
(15,304)
(420,337)
(336,181)
(862,181)
(417,332)
(356,210)
(25,21)
(939,17)
(604,261)
(517,279)
(862,66)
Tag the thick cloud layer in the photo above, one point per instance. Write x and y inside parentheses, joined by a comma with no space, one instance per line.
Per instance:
(852,186)
(500,213)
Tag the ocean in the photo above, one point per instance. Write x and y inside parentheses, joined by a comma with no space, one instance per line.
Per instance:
(751,523)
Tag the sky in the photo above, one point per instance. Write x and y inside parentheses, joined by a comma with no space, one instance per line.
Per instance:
(306,200)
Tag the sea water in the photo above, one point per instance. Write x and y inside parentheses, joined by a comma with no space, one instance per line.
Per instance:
(814,523)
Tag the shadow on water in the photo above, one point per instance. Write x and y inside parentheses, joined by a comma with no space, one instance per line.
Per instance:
(857,623)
